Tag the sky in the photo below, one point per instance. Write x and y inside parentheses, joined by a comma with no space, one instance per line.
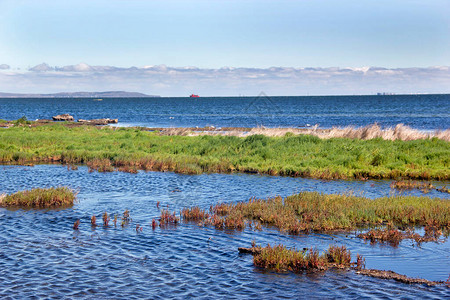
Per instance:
(222,48)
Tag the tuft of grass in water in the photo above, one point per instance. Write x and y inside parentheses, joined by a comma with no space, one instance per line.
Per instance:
(131,149)
(168,218)
(126,219)
(281,259)
(40,198)
(76,224)
(94,221)
(194,214)
(312,211)
(401,185)
(106,219)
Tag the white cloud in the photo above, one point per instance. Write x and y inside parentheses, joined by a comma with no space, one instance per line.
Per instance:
(181,81)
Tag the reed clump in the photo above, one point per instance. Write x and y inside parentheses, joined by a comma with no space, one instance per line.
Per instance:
(40,198)
(168,218)
(372,131)
(194,214)
(132,149)
(281,259)
(314,212)
(410,184)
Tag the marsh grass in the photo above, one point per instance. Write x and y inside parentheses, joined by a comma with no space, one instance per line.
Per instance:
(40,198)
(372,131)
(281,259)
(409,185)
(314,212)
(168,218)
(128,149)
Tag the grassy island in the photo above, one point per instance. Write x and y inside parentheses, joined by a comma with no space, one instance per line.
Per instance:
(312,211)
(132,149)
(40,198)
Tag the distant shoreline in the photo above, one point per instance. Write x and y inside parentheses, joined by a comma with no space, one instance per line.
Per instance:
(106,94)
(120,94)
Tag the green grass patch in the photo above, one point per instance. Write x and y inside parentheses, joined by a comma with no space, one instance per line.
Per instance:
(303,155)
(40,198)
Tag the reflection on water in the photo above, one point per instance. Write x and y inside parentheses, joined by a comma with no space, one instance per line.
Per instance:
(42,256)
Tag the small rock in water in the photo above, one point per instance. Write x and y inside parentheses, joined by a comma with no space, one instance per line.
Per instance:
(63,117)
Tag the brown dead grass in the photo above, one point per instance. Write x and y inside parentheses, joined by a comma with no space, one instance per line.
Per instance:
(399,132)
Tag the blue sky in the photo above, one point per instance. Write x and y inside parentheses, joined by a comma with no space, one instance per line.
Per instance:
(214,34)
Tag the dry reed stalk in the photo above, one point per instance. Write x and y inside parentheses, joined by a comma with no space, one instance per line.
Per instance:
(399,132)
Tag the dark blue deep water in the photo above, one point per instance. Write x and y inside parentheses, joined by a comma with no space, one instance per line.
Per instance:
(427,112)
(41,256)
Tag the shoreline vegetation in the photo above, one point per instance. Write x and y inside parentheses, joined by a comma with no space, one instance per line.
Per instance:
(107,149)
(399,132)
(39,198)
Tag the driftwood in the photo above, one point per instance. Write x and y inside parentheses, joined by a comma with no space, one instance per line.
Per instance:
(398,277)
(63,117)
(251,250)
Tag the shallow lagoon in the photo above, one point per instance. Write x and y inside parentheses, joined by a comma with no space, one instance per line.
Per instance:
(42,256)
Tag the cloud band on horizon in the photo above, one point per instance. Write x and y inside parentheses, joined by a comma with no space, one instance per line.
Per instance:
(226,81)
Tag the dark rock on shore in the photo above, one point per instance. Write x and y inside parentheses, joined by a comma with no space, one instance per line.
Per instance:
(63,117)
(99,121)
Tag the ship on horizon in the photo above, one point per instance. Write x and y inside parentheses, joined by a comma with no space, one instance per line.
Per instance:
(194,96)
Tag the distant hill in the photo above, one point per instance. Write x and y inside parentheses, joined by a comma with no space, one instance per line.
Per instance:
(107,94)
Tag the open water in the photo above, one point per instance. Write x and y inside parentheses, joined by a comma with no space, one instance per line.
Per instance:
(41,256)
(425,112)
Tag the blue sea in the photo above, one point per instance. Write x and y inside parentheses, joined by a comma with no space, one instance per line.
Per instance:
(424,112)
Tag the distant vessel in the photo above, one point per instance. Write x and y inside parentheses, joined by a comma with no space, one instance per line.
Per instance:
(99,99)
(194,96)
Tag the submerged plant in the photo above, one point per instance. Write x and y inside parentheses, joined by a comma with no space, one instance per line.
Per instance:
(93,221)
(126,218)
(106,219)
(76,224)
(360,262)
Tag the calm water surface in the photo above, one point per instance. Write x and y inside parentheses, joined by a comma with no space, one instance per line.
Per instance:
(426,112)
(41,256)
